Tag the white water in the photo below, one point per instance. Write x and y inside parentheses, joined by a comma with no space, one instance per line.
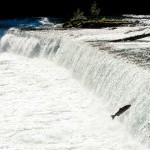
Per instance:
(43,108)
(115,82)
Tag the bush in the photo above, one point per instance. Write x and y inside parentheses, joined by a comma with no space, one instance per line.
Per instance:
(78,15)
(94,10)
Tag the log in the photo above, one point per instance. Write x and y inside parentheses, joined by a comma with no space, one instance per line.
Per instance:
(132,38)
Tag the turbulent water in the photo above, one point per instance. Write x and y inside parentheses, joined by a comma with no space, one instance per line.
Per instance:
(44,107)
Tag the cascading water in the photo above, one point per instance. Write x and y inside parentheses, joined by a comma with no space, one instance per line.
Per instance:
(116,81)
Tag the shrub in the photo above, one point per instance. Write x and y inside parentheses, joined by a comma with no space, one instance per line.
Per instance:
(78,15)
(94,10)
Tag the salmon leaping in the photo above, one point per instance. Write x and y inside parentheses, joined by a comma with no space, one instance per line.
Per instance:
(120,111)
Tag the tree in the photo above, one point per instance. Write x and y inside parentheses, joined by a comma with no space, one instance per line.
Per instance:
(94,10)
(78,15)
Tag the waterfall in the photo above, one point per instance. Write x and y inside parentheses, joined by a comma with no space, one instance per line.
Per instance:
(116,81)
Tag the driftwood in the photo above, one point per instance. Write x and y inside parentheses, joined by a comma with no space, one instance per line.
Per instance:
(132,38)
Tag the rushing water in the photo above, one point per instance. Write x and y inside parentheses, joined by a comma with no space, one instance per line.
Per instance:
(44,108)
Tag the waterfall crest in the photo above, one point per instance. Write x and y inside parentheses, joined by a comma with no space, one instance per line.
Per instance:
(116,81)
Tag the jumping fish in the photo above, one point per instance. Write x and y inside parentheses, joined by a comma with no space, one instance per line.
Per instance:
(120,111)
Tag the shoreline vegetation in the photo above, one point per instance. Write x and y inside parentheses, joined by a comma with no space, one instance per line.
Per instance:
(97,23)
(79,20)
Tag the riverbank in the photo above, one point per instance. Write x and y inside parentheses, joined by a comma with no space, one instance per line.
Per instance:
(98,23)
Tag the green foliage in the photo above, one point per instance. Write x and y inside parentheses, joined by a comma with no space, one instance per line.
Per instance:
(94,10)
(78,15)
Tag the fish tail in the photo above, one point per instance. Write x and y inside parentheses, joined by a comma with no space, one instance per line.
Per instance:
(112,116)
